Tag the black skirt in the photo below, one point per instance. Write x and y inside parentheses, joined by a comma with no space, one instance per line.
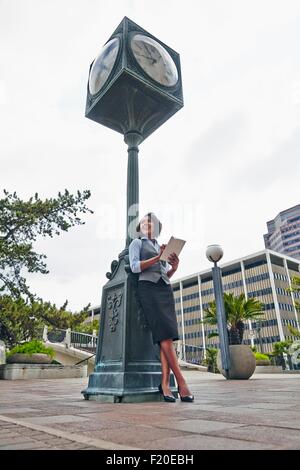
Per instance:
(157,302)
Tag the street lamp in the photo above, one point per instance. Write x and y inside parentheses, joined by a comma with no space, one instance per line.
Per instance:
(214,253)
(256,333)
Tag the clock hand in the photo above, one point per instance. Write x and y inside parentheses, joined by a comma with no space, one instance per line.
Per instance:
(146,47)
(147,57)
(150,52)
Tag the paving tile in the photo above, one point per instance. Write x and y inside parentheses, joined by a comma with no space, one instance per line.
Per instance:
(200,426)
(14,440)
(92,425)
(123,419)
(34,414)
(54,419)
(21,446)
(91,448)
(8,435)
(268,406)
(201,442)
(134,435)
(244,418)
(53,440)
(16,409)
(263,434)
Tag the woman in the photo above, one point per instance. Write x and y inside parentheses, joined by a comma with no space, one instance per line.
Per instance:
(156,298)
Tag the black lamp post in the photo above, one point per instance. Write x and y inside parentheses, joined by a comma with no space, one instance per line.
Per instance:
(134,87)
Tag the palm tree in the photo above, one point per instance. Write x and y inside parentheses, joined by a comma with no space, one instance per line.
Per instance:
(211,360)
(295,332)
(237,310)
(279,349)
(295,287)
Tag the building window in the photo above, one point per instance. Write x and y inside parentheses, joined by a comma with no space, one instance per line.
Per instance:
(257,263)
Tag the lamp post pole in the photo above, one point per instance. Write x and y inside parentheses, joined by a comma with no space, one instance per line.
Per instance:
(214,253)
(132,139)
(259,336)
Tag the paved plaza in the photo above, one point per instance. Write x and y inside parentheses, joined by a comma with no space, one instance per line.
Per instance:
(260,413)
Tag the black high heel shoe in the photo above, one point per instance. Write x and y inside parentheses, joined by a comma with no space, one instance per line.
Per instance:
(167,398)
(186,398)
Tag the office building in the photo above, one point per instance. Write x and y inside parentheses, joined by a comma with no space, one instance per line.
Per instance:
(94,314)
(284,232)
(265,275)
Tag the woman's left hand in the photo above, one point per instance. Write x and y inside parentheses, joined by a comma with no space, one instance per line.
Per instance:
(173,260)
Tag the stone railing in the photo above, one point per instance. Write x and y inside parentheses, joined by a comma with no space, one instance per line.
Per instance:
(70,338)
(87,342)
(189,353)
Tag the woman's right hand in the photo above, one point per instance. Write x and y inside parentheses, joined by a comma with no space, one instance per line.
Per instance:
(162,247)
(146,263)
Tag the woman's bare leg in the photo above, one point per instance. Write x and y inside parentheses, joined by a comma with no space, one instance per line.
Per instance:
(171,356)
(165,371)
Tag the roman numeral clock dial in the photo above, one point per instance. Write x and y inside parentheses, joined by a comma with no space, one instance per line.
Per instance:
(155,61)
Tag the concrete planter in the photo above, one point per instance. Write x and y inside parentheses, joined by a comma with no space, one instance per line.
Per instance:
(262,362)
(269,369)
(242,362)
(41,371)
(21,358)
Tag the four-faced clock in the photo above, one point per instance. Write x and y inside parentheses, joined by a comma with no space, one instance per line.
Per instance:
(154,60)
(134,83)
(103,65)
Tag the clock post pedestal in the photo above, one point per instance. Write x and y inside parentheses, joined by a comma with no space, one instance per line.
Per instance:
(127,365)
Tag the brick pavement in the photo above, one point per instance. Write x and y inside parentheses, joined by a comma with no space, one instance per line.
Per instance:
(260,413)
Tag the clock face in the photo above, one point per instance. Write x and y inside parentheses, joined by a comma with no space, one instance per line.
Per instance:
(103,65)
(154,60)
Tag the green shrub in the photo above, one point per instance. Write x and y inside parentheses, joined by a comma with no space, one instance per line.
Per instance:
(32,347)
(261,357)
(211,360)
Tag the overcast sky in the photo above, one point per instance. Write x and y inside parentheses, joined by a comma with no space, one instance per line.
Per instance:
(216,172)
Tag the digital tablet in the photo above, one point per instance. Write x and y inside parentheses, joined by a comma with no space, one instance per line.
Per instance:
(174,245)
